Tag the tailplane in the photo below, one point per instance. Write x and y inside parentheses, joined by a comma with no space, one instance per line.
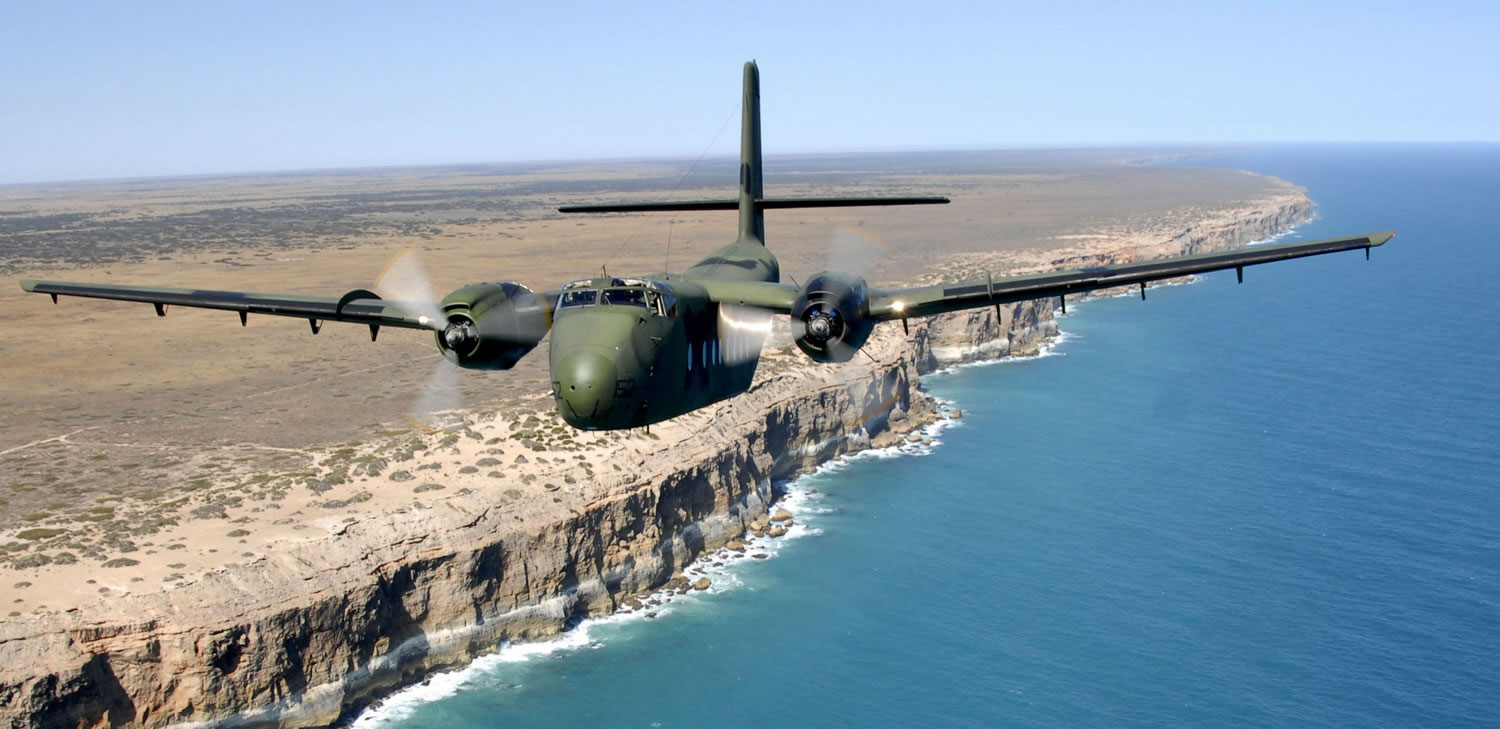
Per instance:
(752,202)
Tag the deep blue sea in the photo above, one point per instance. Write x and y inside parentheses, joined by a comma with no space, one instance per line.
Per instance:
(1274,504)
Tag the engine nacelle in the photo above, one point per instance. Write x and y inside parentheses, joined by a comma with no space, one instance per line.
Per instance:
(831,317)
(491,326)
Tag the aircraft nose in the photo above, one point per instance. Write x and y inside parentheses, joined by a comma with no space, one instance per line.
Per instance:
(586,381)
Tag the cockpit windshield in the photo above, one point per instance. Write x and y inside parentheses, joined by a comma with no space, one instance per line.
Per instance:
(655,296)
(625,297)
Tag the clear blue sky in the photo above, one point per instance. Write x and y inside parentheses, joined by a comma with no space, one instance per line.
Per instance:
(125,89)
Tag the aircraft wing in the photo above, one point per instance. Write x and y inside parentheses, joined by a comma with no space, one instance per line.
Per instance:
(358,306)
(777,297)
(891,304)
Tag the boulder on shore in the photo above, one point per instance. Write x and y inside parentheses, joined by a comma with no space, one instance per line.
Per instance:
(702,583)
(781,515)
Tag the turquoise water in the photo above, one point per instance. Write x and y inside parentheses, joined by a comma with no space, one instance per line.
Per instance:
(1268,505)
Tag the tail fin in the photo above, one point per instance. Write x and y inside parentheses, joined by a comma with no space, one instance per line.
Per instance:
(752,219)
(751,203)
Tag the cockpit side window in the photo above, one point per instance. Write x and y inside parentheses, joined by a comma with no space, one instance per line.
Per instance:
(585,297)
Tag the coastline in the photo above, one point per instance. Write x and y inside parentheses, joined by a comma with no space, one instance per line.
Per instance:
(432,590)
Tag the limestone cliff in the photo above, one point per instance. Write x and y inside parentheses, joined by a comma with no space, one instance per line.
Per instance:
(332,623)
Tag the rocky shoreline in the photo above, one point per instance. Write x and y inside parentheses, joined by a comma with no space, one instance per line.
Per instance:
(331,624)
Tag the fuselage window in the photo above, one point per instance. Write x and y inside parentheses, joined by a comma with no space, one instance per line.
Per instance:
(578,298)
(625,297)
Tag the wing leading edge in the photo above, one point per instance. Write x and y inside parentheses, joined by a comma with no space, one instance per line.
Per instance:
(358,306)
(926,300)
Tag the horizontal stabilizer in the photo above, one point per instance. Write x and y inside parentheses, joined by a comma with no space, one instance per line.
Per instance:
(648,207)
(771,203)
(776,203)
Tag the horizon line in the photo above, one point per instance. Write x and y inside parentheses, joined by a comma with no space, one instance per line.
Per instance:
(1039,146)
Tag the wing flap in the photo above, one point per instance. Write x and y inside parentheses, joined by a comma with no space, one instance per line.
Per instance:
(926,300)
(357,306)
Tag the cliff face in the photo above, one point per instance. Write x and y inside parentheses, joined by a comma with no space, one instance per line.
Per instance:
(386,603)
(334,624)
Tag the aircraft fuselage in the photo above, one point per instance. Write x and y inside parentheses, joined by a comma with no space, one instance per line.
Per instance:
(629,352)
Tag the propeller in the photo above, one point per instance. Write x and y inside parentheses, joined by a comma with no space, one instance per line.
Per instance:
(439,403)
(743,331)
(855,252)
(406,285)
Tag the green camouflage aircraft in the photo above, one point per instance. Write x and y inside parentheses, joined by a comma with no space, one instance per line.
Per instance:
(631,351)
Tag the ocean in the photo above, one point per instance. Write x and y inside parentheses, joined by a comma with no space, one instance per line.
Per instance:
(1274,504)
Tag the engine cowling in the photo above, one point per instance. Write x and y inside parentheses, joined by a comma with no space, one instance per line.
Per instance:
(491,326)
(831,317)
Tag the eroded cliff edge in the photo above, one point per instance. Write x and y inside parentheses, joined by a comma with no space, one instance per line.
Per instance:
(334,621)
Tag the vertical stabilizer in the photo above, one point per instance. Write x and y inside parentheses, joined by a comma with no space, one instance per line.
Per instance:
(752,218)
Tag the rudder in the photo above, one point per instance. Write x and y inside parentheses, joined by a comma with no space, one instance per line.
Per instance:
(752,217)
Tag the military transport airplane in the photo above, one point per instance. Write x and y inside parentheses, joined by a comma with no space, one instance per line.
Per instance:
(635,350)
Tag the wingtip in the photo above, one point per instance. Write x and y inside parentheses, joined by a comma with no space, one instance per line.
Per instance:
(29,286)
(1379,239)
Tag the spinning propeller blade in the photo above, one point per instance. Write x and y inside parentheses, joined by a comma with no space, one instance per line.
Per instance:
(405,284)
(855,252)
(439,404)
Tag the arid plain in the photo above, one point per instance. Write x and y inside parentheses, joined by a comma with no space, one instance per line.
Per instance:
(138,452)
